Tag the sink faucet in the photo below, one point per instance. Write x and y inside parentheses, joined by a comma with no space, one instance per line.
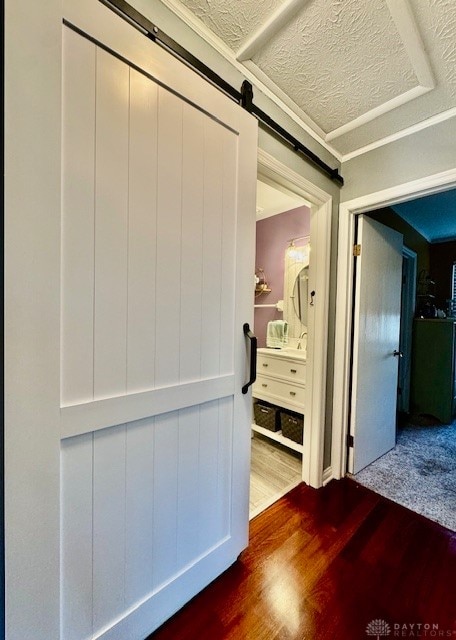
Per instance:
(304,333)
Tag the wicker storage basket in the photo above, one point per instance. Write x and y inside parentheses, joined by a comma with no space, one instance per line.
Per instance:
(292,425)
(266,415)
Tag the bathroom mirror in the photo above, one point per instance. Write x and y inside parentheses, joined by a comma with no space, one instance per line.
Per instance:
(300,294)
(295,289)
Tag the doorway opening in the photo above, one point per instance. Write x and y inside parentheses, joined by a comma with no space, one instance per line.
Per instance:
(291,385)
(280,324)
(419,469)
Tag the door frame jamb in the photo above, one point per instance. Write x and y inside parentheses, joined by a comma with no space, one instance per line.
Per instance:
(320,232)
(345,294)
(408,304)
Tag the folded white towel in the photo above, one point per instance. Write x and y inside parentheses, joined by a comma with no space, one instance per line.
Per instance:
(277,334)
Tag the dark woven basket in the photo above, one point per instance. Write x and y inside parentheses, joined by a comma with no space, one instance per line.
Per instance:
(266,416)
(292,425)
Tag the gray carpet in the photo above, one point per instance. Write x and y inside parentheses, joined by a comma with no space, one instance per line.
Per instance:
(420,473)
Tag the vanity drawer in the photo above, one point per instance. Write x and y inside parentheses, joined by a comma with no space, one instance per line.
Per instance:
(270,366)
(277,390)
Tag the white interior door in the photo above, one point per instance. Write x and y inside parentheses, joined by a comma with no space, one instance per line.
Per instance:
(375,339)
(157,257)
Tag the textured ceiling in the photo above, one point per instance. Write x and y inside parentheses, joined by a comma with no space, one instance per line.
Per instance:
(343,63)
(337,60)
(436,21)
(232,21)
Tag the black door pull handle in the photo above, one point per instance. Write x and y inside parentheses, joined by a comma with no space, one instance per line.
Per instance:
(398,354)
(253,356)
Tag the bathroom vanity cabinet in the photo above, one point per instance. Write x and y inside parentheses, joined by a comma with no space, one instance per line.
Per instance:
(281,381)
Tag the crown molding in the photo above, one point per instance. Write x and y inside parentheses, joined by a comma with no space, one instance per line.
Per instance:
(408,30)
(293,111)
(403,98)
(403,133)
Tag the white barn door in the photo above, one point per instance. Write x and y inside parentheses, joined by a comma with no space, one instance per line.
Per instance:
(157,233)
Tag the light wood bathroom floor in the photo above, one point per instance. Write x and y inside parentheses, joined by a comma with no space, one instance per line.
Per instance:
(275,470)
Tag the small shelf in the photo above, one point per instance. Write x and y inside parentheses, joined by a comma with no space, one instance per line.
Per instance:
(278,437)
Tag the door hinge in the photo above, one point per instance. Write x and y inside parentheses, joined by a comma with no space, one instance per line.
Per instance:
(350,440)
(356,250)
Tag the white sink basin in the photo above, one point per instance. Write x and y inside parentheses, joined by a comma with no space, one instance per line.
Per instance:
(296,353)
(286,352)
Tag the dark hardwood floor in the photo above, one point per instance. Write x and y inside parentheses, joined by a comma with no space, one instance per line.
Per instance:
(322,565)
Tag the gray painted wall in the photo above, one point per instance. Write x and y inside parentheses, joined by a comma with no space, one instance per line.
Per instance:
(417,156)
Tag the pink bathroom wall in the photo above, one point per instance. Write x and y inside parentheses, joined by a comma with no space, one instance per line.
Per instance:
(272,236)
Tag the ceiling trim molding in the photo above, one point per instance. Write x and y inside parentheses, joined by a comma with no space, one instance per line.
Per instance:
(403,98)
(217,43)
(408,31)
(198,26)
(278,19)
(403,133)
(297,113)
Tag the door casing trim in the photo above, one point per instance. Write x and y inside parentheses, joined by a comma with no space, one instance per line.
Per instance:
(345,294)
(320,238)
(410,259)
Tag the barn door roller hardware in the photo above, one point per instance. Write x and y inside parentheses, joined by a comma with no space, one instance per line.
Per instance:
(243,97)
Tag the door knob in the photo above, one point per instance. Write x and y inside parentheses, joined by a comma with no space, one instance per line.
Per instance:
(399,354)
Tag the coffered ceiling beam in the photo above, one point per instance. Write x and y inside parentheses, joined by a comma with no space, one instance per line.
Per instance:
(405,22)
(409,33)
(281,16)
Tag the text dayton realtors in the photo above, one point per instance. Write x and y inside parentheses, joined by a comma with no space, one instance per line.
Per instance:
(421,630)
